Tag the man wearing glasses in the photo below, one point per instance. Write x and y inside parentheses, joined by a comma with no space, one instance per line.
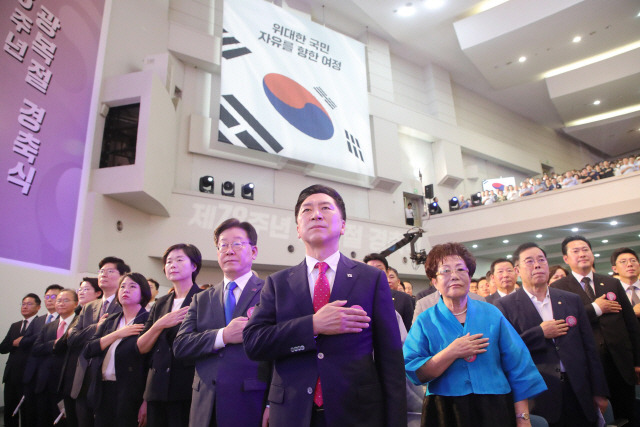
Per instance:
(50,295)
(111,269)
(555,327)
(613,322)
(321,322)
(624,262)
(17,360)
(229,389)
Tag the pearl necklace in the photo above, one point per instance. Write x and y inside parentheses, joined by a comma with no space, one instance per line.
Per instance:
(458,314)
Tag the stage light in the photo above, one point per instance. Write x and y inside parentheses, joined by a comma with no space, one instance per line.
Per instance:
(228,189)
(454,205)
(247,191)
(476,199)
(434,208)
(206,184)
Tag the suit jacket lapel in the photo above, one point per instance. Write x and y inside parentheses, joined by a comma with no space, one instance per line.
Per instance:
(217,300)
(299,285)
(576,288)
(187,300)
(526,306)
(345,279)
(164,307)
(558,305)
(96,311)
(252,288)
(597,285)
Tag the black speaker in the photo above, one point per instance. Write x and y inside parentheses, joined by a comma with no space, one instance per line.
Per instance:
(428,191)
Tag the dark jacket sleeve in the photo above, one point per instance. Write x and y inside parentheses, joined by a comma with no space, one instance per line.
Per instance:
(7,343)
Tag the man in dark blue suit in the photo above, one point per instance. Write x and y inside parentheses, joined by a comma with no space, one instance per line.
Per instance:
(329,326)
(554,326)
(613,323)
(228,388)
(50,363)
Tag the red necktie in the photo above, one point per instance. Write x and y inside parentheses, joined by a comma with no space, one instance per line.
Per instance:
(60,329)
(321,292)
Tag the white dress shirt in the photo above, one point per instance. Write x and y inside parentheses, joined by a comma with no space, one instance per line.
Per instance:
(634,287)
(109,362)
(545,310)
(313,272)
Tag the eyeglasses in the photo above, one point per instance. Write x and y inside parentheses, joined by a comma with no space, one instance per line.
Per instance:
(82,290)
(630,261)
(530,262)
(236,246)
(446,272)
(107,271)
(28,304)
(52,296)
(64,301)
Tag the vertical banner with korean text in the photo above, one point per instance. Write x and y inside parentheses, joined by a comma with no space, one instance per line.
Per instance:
(293,88)
(47,69)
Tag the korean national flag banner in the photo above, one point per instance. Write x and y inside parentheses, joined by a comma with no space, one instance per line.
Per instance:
(497,184)
(293,88)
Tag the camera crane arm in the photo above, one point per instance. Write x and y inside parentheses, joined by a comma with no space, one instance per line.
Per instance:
(410,237)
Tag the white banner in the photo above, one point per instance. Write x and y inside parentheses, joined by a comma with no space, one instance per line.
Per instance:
(293,88)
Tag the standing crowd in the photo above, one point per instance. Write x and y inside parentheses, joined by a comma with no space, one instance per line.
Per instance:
(331,341)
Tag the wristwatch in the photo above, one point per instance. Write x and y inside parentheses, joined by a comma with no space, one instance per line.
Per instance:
(523,415)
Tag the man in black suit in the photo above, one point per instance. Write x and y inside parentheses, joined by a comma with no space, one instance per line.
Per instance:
(554,326)
(402,302)
(321,322)
(228,388)
(613,322)
(624,262)
(111,270)
(14,370)
(28,409)
(50,363)
(503,276)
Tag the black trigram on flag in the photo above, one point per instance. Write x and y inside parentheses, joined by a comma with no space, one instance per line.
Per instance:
(328,100)
(238,126)
(231,47)
(353,145)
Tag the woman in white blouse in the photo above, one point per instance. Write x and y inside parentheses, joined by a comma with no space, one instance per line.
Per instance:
(119,370)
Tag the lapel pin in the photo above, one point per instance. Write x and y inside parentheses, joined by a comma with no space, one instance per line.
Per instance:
(349,275)
(611,296)
(254,289)
(601,284)
(250,311)
(559,302)
(571,321)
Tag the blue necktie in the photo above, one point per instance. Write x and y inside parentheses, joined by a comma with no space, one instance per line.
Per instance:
(49,318)
(230,302)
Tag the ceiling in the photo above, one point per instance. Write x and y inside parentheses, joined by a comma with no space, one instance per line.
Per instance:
(481,51)
(604,238)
